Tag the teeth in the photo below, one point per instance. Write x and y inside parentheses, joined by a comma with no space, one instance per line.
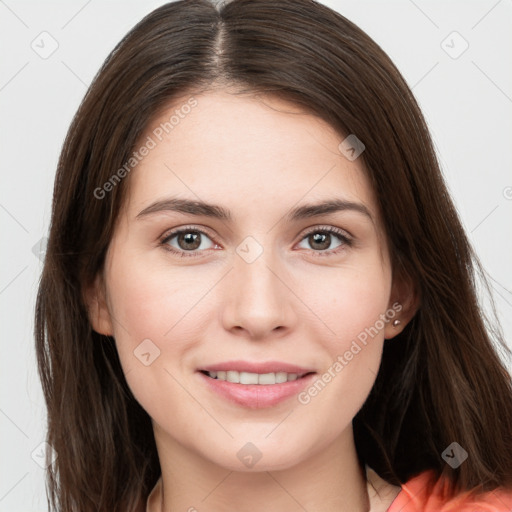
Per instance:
(254,378)
(281,377)
(232,376)
(268,378)
(245,378)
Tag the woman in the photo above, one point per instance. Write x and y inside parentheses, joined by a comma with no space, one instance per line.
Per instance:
(257,293)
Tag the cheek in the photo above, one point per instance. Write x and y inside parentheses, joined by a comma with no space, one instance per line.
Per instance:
(349,302)
(152,303)
(352,306)
(149,307)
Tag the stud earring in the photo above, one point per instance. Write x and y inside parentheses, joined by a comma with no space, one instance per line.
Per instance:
(396,323)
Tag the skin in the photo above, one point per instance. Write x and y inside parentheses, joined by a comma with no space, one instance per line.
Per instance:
(257,157)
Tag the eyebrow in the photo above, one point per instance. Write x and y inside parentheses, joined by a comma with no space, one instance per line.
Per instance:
(201,208)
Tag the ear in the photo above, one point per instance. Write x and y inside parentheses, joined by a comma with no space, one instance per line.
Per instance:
(97,308)
(404,303)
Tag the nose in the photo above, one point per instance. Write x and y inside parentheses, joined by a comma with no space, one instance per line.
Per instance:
(257,301)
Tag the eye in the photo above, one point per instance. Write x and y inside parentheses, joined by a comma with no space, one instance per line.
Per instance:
(188,241)
(320,239)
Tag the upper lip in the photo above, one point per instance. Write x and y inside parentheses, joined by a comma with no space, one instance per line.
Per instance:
(257,367)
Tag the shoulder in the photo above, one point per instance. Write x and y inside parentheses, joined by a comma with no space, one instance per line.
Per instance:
(423,493)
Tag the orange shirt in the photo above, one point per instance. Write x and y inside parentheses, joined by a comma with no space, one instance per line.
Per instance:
(413,497)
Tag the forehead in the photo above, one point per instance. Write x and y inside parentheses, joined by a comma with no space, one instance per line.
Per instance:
(248,153)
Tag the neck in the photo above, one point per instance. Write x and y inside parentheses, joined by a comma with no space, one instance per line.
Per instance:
(329,480)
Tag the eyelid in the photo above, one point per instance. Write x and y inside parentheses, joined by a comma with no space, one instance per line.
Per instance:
(169,233)
(328,228)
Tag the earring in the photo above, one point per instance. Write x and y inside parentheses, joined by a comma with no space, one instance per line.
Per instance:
(396,323)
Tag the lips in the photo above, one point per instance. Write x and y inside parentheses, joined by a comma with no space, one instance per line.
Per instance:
(256,385)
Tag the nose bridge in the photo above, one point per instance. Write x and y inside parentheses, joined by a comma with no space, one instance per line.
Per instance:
(258,300)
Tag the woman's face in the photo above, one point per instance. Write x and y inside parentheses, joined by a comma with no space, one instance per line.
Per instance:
(275,282)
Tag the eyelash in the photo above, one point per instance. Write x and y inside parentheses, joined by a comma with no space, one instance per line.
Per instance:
(345,239)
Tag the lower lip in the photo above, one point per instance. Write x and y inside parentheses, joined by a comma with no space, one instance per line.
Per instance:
(257,396)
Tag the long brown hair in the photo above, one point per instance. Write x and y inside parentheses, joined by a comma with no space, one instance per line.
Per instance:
(441,380)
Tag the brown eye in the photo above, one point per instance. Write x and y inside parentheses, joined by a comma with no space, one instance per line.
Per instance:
(328,240)
(320,241)
(187,240)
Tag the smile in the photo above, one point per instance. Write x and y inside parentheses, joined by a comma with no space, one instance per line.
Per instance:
(255,389)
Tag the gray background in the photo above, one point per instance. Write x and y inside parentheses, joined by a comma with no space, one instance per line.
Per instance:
(466,98)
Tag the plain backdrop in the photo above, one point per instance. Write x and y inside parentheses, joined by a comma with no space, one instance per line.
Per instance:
(456,56)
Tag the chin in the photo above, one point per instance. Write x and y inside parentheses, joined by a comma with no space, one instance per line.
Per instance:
(260,455)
